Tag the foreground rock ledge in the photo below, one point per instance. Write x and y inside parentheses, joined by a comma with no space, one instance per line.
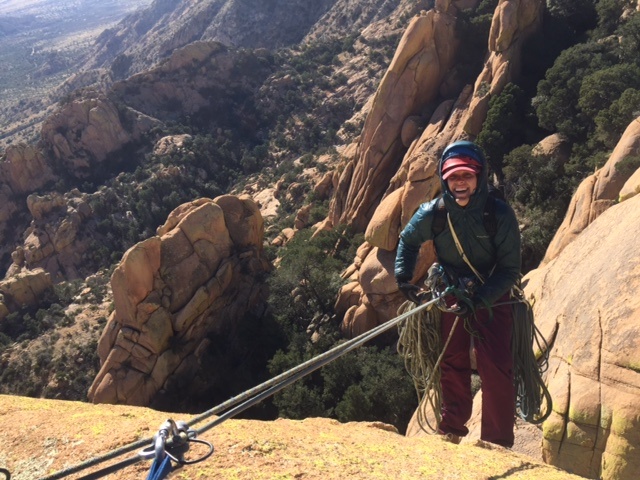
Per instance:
(41,437)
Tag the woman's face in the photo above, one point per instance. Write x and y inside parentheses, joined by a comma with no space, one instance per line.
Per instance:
(462,185)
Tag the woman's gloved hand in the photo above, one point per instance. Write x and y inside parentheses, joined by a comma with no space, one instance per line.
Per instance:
(410,291)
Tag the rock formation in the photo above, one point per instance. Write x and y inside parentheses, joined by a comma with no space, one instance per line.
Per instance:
(23,290)
(425,54)
(24,169)
(378,194)
(150,35)
(599,192)
(54,241)
(593,372)
(197,276)
(85,131)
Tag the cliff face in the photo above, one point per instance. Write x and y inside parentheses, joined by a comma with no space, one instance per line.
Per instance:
(593,370)
(198,276)
(382,187)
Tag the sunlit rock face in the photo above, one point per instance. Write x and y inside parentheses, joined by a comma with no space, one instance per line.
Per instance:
(199,275)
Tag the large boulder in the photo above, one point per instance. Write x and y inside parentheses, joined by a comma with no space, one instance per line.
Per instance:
(23,290)
(586,305)
(54,241)
(197,276)
(85,131)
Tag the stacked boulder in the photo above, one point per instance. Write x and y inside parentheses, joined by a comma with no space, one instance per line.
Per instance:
(199,275)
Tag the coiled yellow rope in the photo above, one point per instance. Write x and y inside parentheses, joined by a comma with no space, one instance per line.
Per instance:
(420,345)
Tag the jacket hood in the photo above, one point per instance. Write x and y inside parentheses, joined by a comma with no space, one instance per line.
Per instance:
(467,149)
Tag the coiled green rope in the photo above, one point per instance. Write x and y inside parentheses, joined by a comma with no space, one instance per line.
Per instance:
(533,400)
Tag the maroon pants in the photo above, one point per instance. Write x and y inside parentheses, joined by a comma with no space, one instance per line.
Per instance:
(492,344)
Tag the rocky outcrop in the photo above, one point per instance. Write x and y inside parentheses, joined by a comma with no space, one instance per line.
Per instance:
(171,144)
(204,74)
(25,169)
(23,290)
(593,371)
(598,192)
(54,241)
(150,35)
(346,16)
(425,54)
(631,187)
(197,276)
(377,194)
(85,131)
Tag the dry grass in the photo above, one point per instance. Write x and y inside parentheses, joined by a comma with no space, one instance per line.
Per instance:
(44,436)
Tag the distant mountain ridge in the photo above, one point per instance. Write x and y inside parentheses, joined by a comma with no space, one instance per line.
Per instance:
(149,35)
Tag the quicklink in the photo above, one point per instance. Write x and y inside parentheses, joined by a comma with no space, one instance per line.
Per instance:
(170,444)
(6,473)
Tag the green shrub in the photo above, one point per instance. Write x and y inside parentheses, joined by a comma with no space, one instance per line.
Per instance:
(628,165)
(369,384)
(558,98)
(504,127)
(540,190)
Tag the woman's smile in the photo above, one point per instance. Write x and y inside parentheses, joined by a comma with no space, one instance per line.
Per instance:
(462,186)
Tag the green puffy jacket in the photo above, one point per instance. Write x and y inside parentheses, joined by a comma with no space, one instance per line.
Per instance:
(498,259)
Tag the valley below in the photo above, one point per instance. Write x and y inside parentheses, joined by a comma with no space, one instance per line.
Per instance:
(42,42)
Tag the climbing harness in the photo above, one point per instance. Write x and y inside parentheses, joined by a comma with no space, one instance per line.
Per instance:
(6,473)
(163,441)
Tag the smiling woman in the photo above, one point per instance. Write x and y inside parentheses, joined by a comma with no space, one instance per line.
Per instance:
(461,175)
(462,186)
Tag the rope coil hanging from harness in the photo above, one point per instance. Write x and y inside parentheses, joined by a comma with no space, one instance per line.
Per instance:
(421,346)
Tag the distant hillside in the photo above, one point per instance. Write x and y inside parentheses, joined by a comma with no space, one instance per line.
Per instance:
(150,35)
(41,44)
